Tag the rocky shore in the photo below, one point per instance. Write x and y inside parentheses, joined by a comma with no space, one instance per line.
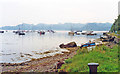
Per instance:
(47,64)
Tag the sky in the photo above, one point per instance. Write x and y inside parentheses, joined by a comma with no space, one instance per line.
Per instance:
(14,12)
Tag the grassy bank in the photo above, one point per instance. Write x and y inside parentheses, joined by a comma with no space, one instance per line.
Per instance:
(106,57)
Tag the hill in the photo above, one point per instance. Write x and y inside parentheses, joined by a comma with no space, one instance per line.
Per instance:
(65,26)
(97,26)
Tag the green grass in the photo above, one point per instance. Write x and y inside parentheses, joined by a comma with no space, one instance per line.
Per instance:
(106,57)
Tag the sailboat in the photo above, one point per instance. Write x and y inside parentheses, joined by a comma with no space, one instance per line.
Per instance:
(71,32)
(41,32)
(21,32)
(50,30)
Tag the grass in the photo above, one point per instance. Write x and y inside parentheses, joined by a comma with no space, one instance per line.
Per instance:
(106,57)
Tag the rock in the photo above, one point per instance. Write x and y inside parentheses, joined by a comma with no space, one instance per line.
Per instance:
(116,40)
(28,54)
(112,39)
(105,40)
(104,33)
(22,64)
(59,64)
(69,45)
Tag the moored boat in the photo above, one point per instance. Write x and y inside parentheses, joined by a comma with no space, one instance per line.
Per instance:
(87,32)
(88,44)
(77,33)
(92,34)
(50,31)
(21,33)
(1,31)
(71,33)
(16,32)
(41,32)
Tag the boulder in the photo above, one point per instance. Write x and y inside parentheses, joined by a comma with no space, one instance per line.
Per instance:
(112,39)
(105,40)
(69,45)
(116,40)
(59,64)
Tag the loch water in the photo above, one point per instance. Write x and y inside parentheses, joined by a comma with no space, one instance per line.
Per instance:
(17,49)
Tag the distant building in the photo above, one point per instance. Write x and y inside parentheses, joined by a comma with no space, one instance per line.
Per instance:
(119,8)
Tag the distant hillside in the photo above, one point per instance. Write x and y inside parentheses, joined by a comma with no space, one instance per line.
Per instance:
(97,26)
(116,25)
(65,26)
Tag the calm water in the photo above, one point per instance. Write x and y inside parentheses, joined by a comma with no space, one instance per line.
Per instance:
(16,49)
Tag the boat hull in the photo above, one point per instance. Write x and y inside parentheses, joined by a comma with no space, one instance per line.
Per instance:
(71,33)
(87,45)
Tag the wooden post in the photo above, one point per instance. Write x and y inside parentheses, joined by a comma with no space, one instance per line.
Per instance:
(93,67)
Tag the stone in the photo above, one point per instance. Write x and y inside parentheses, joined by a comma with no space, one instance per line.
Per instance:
(59,64)
(69,45)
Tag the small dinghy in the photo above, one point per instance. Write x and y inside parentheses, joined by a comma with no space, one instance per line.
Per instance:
(1,31)
(71,33)
(21,33)
(89,44)
(41,32)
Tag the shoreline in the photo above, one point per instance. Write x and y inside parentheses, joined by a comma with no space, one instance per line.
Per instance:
(46,64)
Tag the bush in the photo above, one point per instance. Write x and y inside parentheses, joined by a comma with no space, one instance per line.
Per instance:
(68,61)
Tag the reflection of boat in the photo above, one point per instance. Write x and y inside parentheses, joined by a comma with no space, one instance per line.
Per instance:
(88,44)
(1,31)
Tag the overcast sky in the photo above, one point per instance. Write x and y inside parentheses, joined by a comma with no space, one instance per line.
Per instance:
(14,12)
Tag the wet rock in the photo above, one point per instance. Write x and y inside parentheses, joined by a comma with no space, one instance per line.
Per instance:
(22,56)
(69,45)
(105,40)
(22,64)
(28,54)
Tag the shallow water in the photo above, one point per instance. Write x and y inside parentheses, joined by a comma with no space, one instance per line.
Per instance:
(16,49)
